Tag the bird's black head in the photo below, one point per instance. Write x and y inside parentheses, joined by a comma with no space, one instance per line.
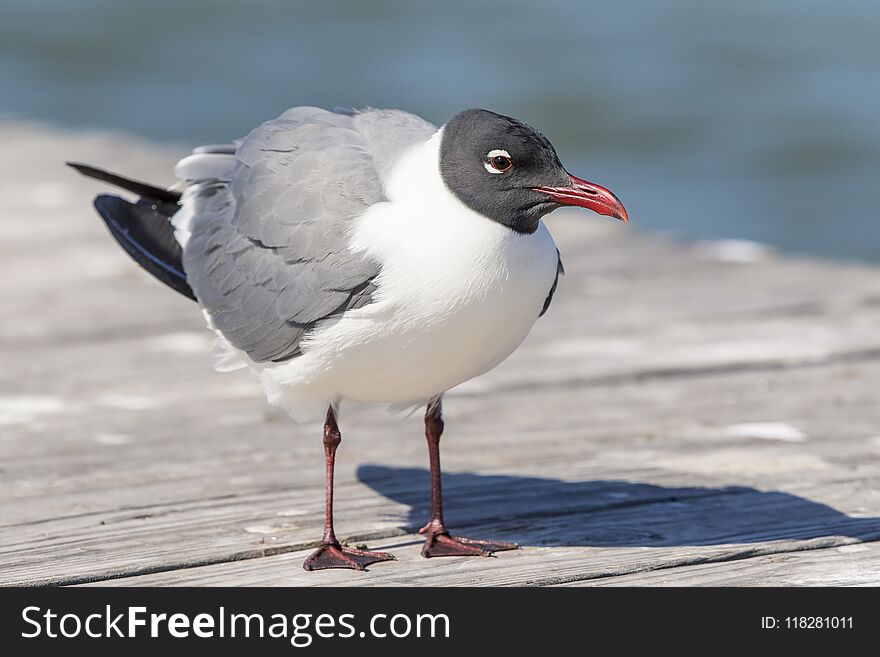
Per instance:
(510,173)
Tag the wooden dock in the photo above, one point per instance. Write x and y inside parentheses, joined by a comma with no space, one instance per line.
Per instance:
(693,414)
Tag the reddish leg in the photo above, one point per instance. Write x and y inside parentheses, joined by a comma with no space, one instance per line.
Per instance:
(438,542)
(330,554)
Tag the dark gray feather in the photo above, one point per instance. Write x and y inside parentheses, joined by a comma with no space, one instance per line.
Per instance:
(560,270)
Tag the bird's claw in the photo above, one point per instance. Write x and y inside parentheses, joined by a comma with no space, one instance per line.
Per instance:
(333,555)
(444,545)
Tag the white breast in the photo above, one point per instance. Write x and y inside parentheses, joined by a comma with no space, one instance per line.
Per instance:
(456,295)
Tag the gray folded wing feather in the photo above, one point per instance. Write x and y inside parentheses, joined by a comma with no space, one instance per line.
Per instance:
(269,254)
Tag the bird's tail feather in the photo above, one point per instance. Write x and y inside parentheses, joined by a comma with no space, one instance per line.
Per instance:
(143,229)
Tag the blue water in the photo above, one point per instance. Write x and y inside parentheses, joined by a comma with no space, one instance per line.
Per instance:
(754,119)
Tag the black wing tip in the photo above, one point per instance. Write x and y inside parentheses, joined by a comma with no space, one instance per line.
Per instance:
(135,186)
(147,237)
(104,202)
(84,169)
(92,172)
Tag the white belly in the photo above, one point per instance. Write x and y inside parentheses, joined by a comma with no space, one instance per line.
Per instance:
(451,327)
(447,309)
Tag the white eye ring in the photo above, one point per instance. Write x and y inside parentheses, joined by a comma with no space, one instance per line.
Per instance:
(498,152)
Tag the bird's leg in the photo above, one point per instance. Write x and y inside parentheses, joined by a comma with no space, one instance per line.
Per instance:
(331,554)
(438,542)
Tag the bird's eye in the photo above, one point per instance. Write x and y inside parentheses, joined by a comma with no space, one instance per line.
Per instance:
(497,161)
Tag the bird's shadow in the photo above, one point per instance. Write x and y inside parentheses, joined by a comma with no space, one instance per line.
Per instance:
(612,513)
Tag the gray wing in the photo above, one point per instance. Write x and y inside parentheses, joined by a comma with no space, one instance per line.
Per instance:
(560,270)
(268,257)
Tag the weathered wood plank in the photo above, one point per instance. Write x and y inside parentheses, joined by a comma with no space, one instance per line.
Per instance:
(628,550)
(845,565)
(523,476)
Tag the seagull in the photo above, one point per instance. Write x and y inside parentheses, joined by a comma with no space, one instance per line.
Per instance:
(361,255)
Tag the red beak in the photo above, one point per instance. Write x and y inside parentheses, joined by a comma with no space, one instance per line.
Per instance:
(587,195)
